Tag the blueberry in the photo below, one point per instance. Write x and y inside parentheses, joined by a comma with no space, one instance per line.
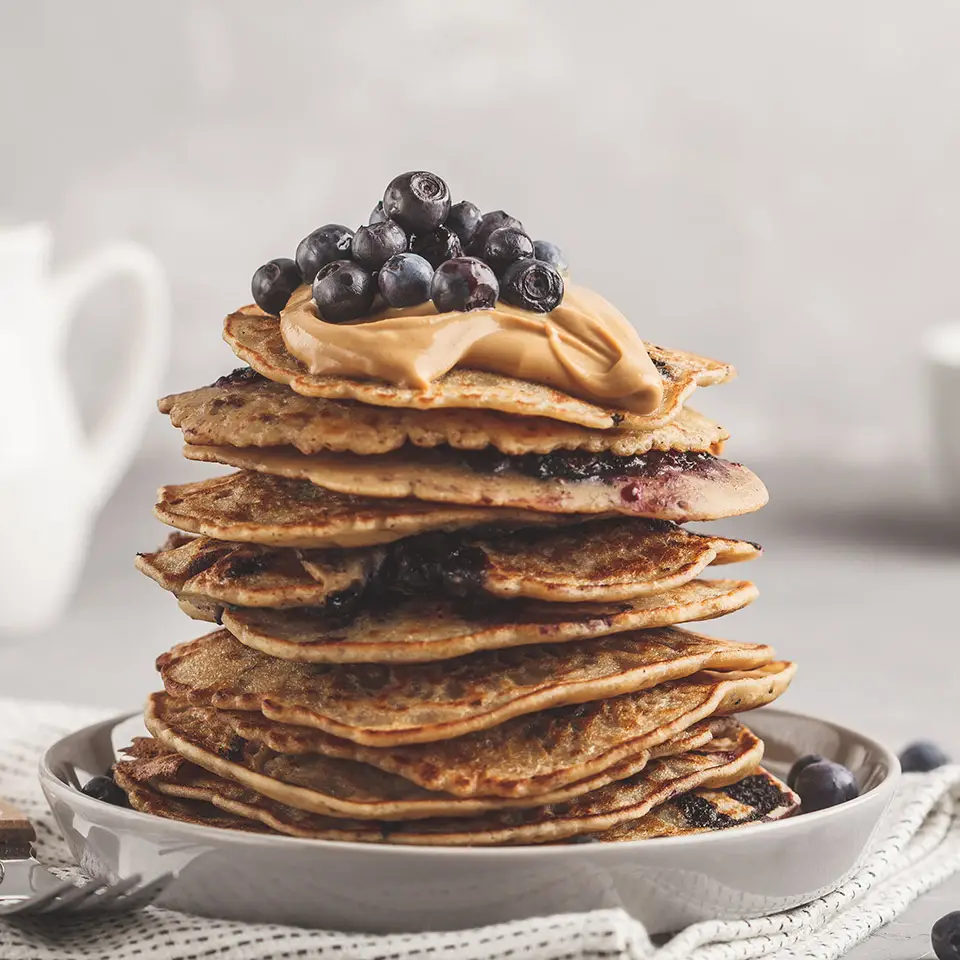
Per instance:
(945,937)
(377,214)
(804,761)
(437,245)
(273,283)
(922,756)
(464,283)
(326,244)
(550,253)
(105,789)
(532,285)
(825,784)
(405,280)
(488,223)
(343,291)
(463,219)
(418,201)
(375,244)
(506,245)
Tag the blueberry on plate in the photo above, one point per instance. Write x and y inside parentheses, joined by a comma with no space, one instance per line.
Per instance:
(273,283)
(550,253)
(105,789)
(463,219)
(488,223)
(377,214)
(405,279)
(326,244)
(804,761)
(464,283)
(506,245)
(343,291)
(945,937)
(532,285)
(436,246)
(419,201)
(922,756)
(375,244)
(824,784)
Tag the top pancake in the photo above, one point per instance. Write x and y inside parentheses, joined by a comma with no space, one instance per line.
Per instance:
(246,410)
(255,337)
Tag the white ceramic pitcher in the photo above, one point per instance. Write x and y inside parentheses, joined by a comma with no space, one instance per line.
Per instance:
(53,476)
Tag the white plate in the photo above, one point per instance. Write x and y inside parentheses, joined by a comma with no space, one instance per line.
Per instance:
(742,872)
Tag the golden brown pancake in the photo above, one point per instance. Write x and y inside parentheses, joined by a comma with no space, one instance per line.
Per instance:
(348,788)
(390,704)
(668,486)
(255,338)
(725,760)
(601,560)
(417,631)
(245,409)
(255,508)
(538,752)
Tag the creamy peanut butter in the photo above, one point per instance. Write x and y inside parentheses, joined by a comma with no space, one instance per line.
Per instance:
(585,347)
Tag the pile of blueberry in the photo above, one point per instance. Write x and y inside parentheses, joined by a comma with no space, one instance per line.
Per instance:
(417,247)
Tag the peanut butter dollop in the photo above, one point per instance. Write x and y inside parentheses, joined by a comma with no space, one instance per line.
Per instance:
(585,347)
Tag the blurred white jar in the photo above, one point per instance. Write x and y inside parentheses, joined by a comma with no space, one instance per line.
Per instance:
(941,347)
(53,476)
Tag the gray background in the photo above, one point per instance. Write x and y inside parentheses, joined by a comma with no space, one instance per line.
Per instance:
(773,184)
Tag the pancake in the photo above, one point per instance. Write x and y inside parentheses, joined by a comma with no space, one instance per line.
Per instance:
(724,760)
(600,560)
(245,409)
(423,630)
(254,508)
(760,797)
(386,705)
(538,752)
(348,788)
(667,486)
(255,338)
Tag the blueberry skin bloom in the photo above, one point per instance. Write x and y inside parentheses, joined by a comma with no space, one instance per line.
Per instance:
(532,285)
(344,291)
(945,937)
(464,283)
(550,253)
(405,280)
(506,245)
(326,244)
(799,765)
(922,756)
(273,283)
(419,201)
(464,220)
(488,223)
(825,784)
(376,243)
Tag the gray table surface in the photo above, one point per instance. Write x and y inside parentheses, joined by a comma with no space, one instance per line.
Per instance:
(854,586)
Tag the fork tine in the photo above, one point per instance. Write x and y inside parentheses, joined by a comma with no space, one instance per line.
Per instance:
(104,900)
(142,897)
(37,903)
(72,899)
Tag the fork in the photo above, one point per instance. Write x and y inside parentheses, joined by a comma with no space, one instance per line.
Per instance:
(28,889)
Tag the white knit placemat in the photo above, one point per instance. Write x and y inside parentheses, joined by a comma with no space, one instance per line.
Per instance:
(918,848)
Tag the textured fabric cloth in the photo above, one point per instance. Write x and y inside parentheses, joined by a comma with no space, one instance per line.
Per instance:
(918,848)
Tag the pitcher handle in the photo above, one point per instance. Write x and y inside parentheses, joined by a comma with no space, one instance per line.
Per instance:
(115,438)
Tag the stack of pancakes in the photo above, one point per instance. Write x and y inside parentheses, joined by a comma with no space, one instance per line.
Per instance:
(452,617)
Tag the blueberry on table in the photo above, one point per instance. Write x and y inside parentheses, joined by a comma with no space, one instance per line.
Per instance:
(377,214)
(945,937)
(824,784)
(804,761)
(405,279)
(419,201)
(463,219)
(375,244)
(273,283)
(105,789)
(464,283)
(488,223)
(550,253)
(436,246)
(506,245)
(922,756)
(343,291)
(532,285)
(326,244)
